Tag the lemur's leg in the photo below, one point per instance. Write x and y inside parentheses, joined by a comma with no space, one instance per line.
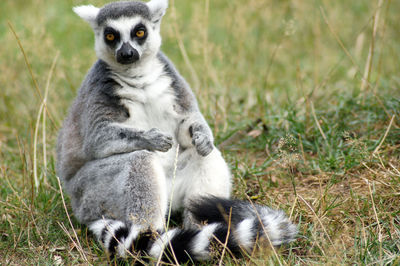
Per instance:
(199,176)
(201,170)
(129,187)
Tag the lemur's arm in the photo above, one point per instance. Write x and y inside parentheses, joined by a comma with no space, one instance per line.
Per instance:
(193,129)
(104,135)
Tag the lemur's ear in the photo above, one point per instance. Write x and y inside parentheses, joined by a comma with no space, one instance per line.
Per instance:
(87,13)
(157,10)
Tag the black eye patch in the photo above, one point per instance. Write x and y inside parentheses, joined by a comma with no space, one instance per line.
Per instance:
(139,33)
(111,36)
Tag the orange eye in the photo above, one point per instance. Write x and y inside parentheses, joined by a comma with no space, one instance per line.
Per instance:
(140,33)
(110,37)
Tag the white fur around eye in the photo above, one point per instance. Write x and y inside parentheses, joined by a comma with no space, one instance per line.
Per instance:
(124,26)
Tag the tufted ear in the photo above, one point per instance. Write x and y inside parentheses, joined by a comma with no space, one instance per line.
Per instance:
(157,10)
(87,13)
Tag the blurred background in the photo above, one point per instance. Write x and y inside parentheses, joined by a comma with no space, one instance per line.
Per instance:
(303,97)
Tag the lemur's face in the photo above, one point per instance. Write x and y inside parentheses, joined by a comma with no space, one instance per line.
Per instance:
(126,32)
(127,40)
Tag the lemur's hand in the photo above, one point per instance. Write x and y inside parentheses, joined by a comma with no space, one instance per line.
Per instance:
(156,140)
(202,142)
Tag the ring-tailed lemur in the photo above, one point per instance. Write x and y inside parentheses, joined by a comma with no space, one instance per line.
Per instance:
(117,148)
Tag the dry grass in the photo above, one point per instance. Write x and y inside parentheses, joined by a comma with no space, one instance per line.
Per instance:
(302,96)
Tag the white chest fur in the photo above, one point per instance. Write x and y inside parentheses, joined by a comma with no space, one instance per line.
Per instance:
(150,100)
(151,106)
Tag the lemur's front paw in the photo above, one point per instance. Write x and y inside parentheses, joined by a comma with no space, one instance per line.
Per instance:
(203,143)
(158,140)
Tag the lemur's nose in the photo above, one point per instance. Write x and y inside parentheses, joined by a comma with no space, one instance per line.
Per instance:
(127,54)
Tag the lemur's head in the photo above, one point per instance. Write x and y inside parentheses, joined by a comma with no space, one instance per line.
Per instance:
(125,32)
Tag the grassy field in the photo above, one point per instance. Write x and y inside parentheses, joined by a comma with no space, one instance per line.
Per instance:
(303,97)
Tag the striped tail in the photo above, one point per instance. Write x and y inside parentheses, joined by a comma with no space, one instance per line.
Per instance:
(185,245)
(248,218)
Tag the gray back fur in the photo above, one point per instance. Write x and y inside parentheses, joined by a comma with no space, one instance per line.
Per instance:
(97,91)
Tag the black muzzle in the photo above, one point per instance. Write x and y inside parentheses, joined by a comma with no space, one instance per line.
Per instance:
(127,54)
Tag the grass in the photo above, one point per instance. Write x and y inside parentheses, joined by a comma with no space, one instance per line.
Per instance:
(303,98)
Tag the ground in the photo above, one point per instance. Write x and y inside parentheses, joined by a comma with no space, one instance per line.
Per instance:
(303,98)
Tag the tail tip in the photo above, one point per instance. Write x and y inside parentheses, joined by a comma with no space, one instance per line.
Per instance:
(279,228)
